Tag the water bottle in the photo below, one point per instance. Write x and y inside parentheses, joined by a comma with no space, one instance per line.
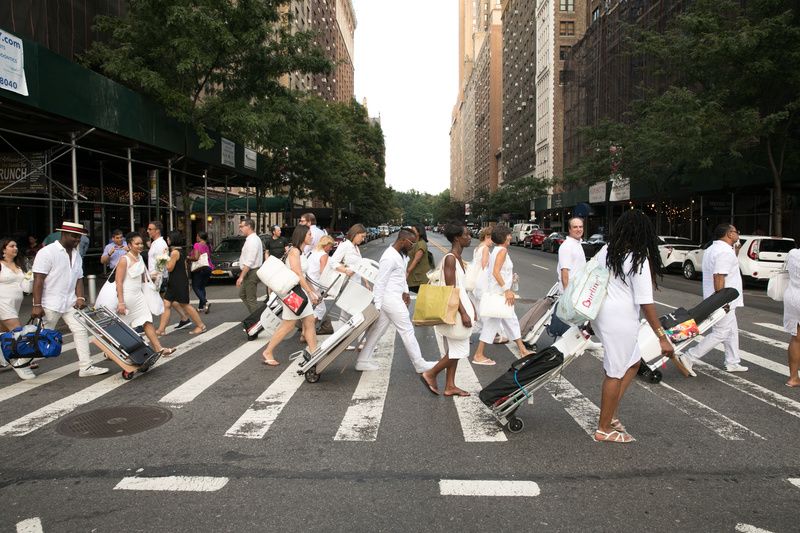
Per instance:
(515,283)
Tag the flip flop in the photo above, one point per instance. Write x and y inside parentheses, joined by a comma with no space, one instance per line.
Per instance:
(613,436)
(461,394)
(428,385)
(166,352)
(271,362)
(485,362)
(203,330)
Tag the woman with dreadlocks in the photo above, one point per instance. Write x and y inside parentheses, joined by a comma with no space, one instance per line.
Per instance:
(633,261)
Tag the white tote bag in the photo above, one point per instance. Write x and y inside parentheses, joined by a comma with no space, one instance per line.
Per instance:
(152,298)
(777,285)
(493,305)
(201,262)
(277,276)
(472,274)
(107,297)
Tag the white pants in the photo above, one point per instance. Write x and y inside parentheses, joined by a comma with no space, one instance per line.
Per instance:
(394,311)
(726,331)
(493,326)
(79,333)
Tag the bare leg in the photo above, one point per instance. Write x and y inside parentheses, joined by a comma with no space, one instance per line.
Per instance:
(479,355)
(612,391)
(150,331)
(794,359)
(450,388)
(188,309)
(523,351)
(626,381)
(309,332)
(280,333)
(162,325)
(9,324)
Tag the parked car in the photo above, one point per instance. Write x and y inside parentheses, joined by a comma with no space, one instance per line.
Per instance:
(225,257)
(760,257)
(534,240)
(552,242)
(593,244)
(520,231)
(673,251)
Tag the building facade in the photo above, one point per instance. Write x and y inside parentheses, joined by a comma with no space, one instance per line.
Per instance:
(519,89)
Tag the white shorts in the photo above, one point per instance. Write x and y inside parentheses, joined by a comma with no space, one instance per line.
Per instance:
(453,348)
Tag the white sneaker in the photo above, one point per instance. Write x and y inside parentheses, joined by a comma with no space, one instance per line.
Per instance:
(426,365)
(24,373)
(687,364)
(91,371)
(736,368)
(367,366)
(592,346)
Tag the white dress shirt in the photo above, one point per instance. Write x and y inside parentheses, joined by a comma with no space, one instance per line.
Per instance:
(157,248)
(391,282)
(252,255)
(346,254)
(571,257)
(63,270)
(720,258)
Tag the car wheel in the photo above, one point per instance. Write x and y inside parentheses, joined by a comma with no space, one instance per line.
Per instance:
(689,271)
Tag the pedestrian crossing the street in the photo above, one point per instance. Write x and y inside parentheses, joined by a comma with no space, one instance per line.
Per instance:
(367,409)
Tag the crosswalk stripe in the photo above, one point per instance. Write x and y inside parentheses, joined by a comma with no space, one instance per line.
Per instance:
(747,528)
(580,408)
(794,481)
(766,340)
(720,424)
(195,386)
(45,415)
(363,417)
(486,488)
(767,325)
(758,392)
(21,387)
(31,525)
(173,483)
(262,413)
(477,423)
(769,364)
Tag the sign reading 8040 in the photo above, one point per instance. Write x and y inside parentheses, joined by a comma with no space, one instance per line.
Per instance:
(12,70)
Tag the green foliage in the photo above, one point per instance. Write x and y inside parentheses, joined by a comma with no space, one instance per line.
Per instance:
(510,201)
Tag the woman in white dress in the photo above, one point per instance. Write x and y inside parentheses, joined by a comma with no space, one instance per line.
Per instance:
(500,274)
(317,262)
(348,254)
(12,272)
(481,256)
(129,278)
(791,316)
(633,260)
(453,341)
(295,260)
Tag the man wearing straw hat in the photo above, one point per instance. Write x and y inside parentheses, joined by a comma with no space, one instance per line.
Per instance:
(58,288)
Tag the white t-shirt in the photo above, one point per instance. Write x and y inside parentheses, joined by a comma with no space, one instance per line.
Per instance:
(159,247)
(252,255)
(571,257)
(63,270)
(720,258)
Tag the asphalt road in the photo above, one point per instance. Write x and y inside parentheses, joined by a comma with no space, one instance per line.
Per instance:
(253,448)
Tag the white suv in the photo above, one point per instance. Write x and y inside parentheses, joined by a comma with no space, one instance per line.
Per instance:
(760,257)
(673,250)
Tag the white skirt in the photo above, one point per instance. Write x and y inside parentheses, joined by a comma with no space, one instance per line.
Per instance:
(452,348)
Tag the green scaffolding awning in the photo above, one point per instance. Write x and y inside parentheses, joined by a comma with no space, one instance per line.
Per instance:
(240,204)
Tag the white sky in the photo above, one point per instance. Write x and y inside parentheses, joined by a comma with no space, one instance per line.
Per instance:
(406,65)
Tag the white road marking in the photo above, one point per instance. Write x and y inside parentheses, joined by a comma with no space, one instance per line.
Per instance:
(539,266)
(767,325)
(31,525)
(666,305)
(173,483)
(41,379)
(787,405)
(762,361)
(794,481)
(469,487)
(766,340)
(262,413)
(202,381)
(747,528)
(580,408)
(45,415)
(363,417)
(477,422)
(720,424)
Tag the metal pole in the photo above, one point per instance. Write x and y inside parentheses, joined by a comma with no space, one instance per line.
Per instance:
(771,207)
(75,214)
(732,198)
(701,235)
(102,206)
(226,207)
(247,199)
(691,219)
(130,190)
(49,194)
(205,199)
(169,189)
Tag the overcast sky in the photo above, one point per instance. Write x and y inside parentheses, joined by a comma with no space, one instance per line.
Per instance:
(406,65)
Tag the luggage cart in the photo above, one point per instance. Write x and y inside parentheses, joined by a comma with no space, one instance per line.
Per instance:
(535,322)
(356,301)
(118,341)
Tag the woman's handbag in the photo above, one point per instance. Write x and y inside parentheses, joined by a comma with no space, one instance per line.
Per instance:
(493,305)
(202,262)
(472,274)
(151,296)
(277,276)
(107,297)
(436,305)
(296,300)
(29,341)
(458,331)
(27,283)
(777,285)
(583,297)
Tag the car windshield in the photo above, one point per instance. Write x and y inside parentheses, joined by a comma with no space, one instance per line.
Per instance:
(230,245)
(775,246)
(675,240)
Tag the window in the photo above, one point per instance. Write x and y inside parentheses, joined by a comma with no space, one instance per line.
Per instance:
(566,28)
(563,52)
(567,5)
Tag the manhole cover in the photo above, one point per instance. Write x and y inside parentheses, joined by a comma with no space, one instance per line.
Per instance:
(113,422)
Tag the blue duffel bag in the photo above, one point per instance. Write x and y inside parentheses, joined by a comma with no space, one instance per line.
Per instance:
(31,341)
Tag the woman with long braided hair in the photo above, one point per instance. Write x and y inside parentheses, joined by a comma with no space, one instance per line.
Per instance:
(633,261)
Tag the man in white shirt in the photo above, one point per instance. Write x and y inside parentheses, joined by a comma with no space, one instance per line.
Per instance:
(570,253)
(308,219)
(391,298)
(720,270)
(250,259)
(58,288)
(159,247)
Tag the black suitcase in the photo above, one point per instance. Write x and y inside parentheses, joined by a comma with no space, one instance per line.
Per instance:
(252,324)
(520,374)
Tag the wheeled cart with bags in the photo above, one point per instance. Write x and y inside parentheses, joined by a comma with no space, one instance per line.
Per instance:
(118,341)
(535,322)
(355,301)
(252,325)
